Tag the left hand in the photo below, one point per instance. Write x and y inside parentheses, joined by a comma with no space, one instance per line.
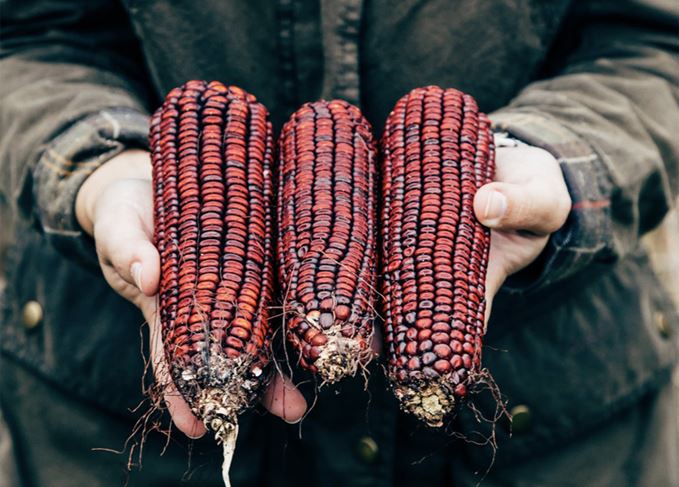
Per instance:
(526,203)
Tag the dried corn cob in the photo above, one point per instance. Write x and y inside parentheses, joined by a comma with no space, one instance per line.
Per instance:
(327,236)
(212,155)
(437,151)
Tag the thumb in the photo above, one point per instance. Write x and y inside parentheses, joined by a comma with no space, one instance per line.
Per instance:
(534,206)
(122,234)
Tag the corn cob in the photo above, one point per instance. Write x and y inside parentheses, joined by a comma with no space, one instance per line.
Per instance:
(437,151)
(212,153)
(327,236)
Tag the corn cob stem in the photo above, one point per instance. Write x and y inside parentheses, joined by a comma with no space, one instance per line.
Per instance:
(228,441)
(437,151)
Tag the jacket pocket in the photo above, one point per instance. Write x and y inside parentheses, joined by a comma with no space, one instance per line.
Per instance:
(64,322)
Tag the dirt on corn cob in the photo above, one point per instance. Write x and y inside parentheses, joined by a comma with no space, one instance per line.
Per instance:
(327,236)
(437,151)
(212,152)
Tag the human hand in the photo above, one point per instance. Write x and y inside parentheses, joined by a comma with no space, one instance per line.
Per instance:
(115,206)
(526,203)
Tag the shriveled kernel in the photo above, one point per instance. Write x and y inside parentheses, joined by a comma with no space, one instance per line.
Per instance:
(342,312)
(429,358)
(442,366)
(442,351)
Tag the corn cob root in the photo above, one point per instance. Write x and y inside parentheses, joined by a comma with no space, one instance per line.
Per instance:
(212,151)
(437,151)
(327,236)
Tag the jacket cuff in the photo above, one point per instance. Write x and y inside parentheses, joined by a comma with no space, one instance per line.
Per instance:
(587,234)
(65,164)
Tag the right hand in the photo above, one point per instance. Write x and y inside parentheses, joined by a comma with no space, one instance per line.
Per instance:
(115,206)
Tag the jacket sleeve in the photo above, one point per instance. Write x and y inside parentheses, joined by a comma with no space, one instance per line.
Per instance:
(72,96)
(610,115)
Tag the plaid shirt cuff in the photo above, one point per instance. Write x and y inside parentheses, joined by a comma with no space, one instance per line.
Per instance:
(65,164)
(587,235)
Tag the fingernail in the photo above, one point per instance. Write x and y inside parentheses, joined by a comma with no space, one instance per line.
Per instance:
(135,270)
(293,421)
(495,208)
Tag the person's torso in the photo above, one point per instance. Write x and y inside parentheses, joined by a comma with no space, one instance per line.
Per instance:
(571,355)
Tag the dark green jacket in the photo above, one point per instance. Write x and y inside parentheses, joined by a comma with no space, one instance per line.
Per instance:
(576,339)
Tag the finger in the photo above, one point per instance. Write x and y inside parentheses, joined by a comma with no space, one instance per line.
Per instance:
(124,241)
(284,400)
(376,339)
(179,410)
(533,206)
(495,275)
